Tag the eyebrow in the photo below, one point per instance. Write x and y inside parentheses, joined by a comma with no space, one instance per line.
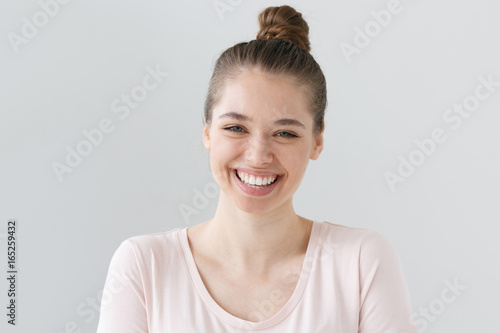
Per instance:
(283,122)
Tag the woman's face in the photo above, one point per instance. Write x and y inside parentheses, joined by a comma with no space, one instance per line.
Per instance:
(260,141)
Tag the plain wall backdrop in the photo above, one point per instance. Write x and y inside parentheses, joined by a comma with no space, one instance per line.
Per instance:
(411,141)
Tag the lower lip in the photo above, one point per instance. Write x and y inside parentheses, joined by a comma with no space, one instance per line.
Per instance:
(252,190)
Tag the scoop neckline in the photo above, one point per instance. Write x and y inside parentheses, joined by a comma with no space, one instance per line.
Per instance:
(240,323)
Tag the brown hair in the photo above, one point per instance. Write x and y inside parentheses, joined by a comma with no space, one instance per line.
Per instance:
(281,48)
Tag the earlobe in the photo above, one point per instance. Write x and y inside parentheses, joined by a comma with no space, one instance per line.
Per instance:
(206,137)
(318,147)
(316,152)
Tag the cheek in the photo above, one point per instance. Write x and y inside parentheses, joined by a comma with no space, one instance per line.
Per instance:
(294,157)
(223,151)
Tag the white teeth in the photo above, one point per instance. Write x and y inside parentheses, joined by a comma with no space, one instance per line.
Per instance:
(255,180)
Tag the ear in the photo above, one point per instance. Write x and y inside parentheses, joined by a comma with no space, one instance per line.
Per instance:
(318,146)
(206,136)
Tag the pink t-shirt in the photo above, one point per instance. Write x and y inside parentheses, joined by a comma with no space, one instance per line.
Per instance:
(350,282)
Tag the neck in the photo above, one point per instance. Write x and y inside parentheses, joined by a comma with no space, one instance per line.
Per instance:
(257,242)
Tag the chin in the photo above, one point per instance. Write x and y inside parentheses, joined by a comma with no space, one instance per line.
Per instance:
(259,206)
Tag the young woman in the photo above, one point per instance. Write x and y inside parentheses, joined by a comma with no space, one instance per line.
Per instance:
(257,266)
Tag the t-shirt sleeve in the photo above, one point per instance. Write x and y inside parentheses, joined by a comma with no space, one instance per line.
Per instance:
(384,298)
(123,307)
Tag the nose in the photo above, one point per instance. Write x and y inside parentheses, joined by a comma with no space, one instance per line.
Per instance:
(259,151)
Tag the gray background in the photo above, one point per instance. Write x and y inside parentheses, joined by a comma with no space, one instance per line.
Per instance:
(442,219)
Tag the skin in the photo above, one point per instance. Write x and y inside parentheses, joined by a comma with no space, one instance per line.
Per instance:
(252,240)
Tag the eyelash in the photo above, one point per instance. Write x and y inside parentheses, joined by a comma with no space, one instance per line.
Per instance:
(231,129)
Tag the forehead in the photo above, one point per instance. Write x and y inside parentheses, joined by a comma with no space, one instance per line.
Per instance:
(261,95)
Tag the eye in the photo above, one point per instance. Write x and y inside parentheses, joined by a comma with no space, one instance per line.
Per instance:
(287,135)
(234,129)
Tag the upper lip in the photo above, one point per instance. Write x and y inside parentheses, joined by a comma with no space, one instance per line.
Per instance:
(257,173)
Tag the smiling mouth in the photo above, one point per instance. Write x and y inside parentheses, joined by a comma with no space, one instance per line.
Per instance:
(256,181)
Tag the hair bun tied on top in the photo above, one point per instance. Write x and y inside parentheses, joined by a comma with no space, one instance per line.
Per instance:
(284,23)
